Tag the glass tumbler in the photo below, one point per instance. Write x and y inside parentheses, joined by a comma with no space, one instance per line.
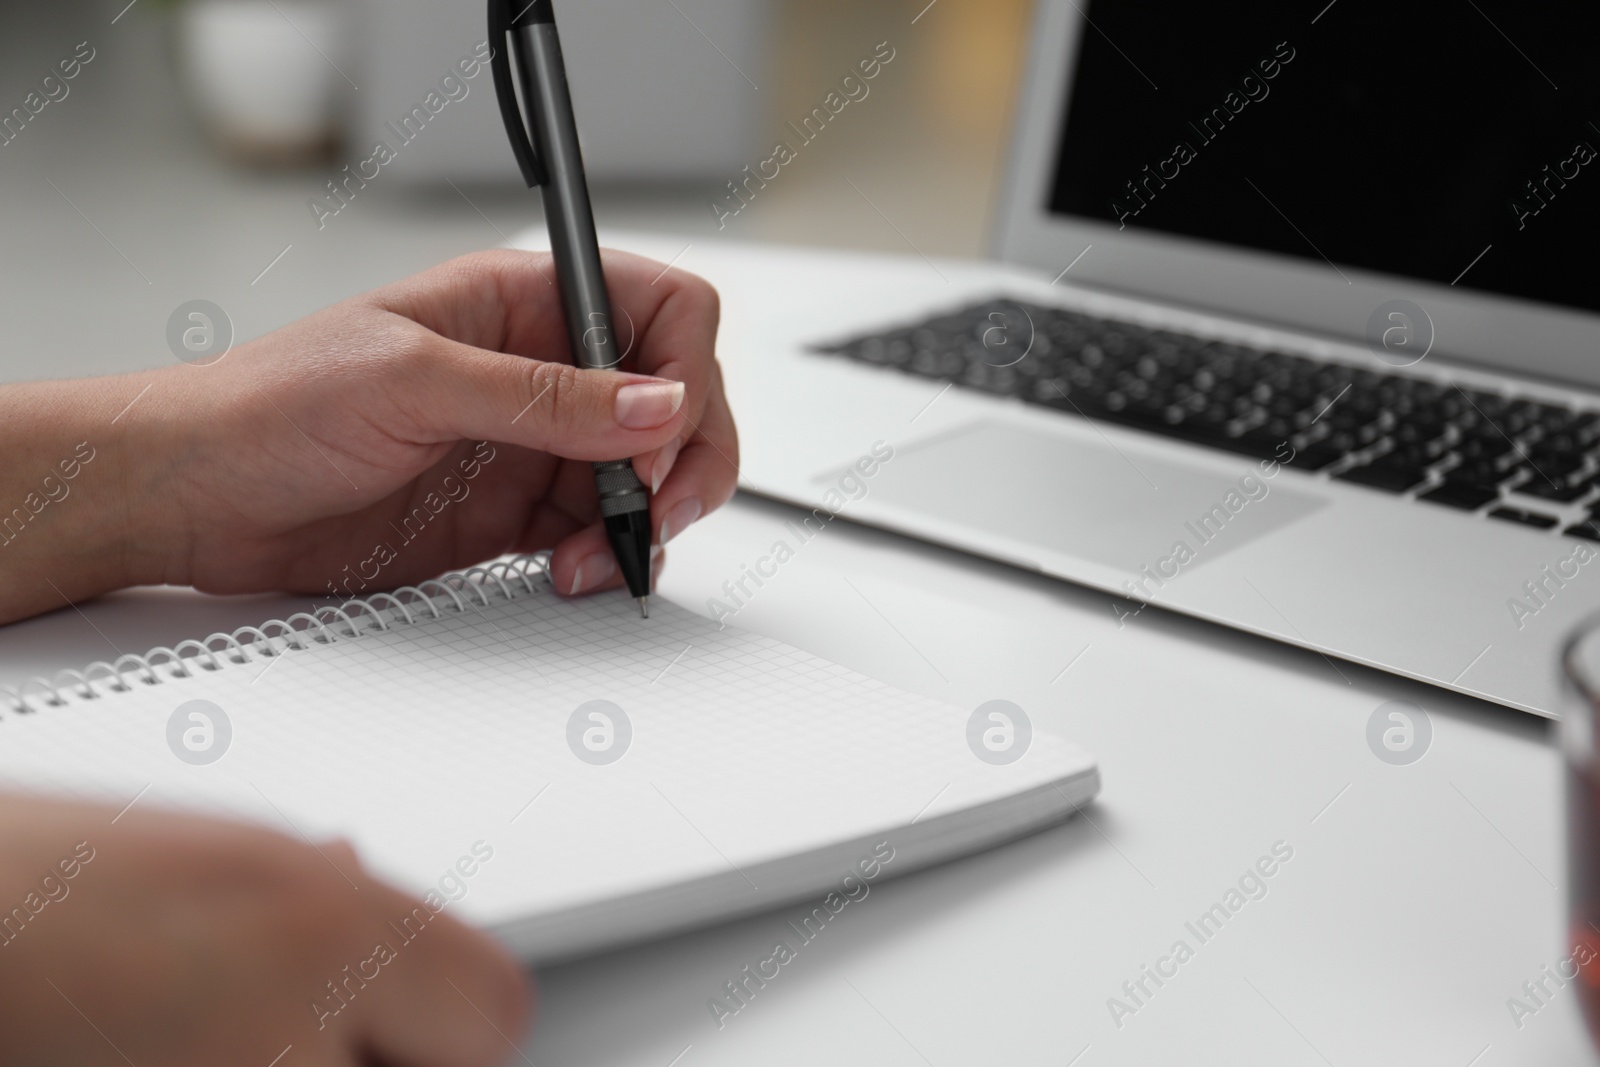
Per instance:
(1580,663)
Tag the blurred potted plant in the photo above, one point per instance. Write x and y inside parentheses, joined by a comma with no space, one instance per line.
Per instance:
(264,75)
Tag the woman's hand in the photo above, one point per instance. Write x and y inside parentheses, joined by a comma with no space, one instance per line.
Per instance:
(155,938)
(428,425)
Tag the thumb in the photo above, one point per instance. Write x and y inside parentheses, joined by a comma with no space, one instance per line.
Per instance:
(468,393)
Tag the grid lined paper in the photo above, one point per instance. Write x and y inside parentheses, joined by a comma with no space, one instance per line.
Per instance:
(419,742)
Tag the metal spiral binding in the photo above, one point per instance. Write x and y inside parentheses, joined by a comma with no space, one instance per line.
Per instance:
(457,592)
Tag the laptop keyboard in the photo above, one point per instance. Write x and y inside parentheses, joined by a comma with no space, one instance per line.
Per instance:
(1514,459)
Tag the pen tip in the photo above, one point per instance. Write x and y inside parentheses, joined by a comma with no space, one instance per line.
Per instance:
(644,607)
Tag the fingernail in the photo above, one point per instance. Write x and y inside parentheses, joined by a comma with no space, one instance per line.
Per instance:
(679,519)
(664,461)
(648,404)
(593,572)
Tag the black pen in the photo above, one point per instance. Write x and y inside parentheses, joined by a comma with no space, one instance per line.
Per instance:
(552,161)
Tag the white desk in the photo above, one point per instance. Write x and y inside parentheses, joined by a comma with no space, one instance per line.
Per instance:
(1413,907)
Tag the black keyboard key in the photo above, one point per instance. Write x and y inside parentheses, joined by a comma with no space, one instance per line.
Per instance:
(1527,518)
(1562,490)
(1391,476)
(1254,445)
(1314,457)
(1404,455)
(1482,472)
(1586,530)
(1525,415)
(1469,496)
(1552,467)
(1413,431)
(1478,447)
(1561,444)
(1492,405)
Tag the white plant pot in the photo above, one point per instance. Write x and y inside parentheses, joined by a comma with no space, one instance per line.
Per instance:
(263,74)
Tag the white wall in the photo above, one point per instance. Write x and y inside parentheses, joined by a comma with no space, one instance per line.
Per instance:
(654,97)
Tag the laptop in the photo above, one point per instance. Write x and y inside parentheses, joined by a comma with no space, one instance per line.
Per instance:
(1293,328)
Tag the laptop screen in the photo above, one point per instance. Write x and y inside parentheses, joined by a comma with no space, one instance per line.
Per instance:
(1455,142)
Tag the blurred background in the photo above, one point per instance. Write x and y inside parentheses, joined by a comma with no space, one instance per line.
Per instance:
(184,157)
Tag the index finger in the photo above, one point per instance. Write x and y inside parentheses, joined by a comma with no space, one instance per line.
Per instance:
(508,301)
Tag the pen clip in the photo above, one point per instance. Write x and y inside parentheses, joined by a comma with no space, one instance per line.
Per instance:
(505,91)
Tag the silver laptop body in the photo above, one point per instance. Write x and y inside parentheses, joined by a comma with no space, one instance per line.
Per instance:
(864,396)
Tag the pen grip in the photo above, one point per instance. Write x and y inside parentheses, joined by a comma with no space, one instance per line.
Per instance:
(620,489)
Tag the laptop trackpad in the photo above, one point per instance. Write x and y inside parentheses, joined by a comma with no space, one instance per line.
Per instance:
(1086,499)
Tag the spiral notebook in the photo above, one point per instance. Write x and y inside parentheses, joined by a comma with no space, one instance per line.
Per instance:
(561,773)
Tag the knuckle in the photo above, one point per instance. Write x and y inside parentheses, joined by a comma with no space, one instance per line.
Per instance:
(343,854)
(293,877)
(482,271)
(266,857)
(310,904)
(410,347)
(476,265)
(552,387)
(485,259)
(706,294)
(273,860)
(490,270)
